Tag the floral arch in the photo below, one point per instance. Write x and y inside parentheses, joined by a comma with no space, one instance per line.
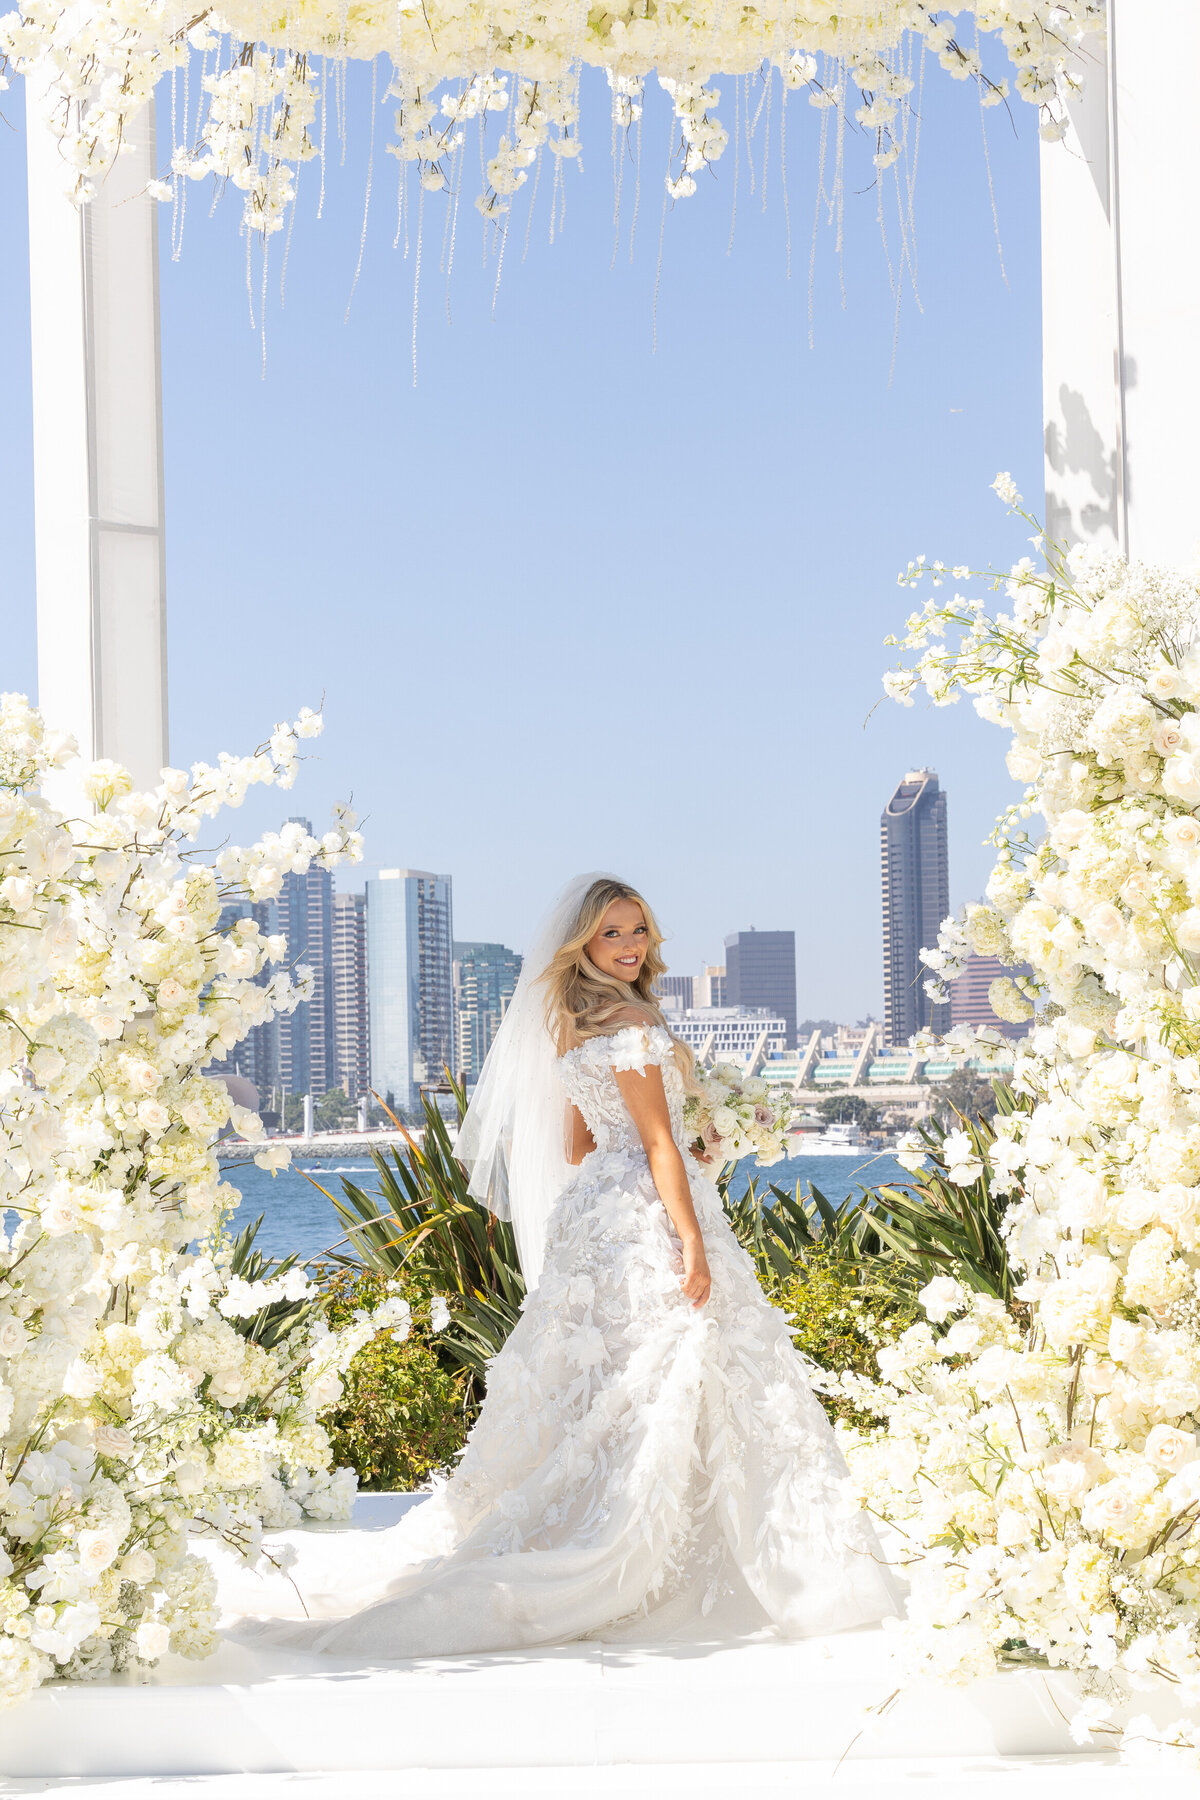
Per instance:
(257,91)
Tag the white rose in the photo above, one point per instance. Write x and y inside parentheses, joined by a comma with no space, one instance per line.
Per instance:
(1070,829)
(47,1064)
(188,1477)
(1105,923)
(1012,1528)
(142,1076)
(1181,778)
(97,1549)
(13,1335)
(153,1640)
(1055,651)
(1187,929)
(941,1297)
(110,1440)
(1184,830)
(1168,1448)
(1109,1508)
(1137,890)
(139,1566)
(1083,1200)
(1023,762)
(152,1116)
(80,1381)
(1066,1482)
(1167,738)
(1163,682)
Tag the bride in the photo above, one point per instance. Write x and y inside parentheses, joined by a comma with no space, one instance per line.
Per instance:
(651,1460)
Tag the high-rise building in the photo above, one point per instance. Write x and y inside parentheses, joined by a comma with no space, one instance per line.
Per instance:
(351,1042)
(677,992)
(709,986)
(761,974)
(256,1058)
(969,1003)
(307,1064)
(485,978)
(410,982)
(916,898)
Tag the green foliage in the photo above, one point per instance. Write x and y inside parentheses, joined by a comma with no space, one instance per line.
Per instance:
(849,1109)
(401,1417)
(848,1274)
(423,1225)
(839,1319)
(963,1095)
(940,1228)
(335,1111)
(931,1226)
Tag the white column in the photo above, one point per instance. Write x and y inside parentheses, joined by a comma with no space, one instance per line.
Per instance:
(1121,293)
(97,453)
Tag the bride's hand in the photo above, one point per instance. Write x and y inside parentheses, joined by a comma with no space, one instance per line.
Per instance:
(697,1282)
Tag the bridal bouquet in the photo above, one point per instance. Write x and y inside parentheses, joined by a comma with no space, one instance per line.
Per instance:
(734,1116)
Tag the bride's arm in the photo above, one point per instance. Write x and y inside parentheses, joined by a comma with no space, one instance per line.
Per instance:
(646,1099)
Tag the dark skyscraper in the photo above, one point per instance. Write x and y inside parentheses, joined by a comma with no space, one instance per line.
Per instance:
(761,974)
(916,898)
(307,1062)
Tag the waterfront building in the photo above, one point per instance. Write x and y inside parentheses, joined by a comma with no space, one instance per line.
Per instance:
(351,1040)
(676,992)
(969,1003)
(708,987)
(307,1064)
(762,974)
(485,978)
(256,1058)
(410,983)
(916,898)
(731,1033)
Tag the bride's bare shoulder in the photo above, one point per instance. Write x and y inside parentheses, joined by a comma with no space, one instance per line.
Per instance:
(630,1015)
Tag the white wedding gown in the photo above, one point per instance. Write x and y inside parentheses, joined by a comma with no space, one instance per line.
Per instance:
(641,1467)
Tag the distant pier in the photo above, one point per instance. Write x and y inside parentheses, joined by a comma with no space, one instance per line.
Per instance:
(322,1146)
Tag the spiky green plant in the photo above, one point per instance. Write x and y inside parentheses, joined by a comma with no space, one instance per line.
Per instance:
(421,1224)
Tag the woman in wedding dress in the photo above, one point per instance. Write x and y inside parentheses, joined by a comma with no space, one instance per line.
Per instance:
(651,1461)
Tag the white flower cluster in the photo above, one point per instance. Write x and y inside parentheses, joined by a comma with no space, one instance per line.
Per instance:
(1044,1466)
(265,75)
(132,1408)
(736,1115)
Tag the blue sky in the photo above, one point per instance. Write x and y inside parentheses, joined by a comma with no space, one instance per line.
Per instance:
(574,601)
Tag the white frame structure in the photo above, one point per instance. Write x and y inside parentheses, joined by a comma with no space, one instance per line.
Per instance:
(1121,294)
(98,453)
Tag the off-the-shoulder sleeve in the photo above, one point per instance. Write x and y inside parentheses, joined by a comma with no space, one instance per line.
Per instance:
(637,1046)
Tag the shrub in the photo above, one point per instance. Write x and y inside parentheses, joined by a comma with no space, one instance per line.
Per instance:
(839,1319)
(401,1417)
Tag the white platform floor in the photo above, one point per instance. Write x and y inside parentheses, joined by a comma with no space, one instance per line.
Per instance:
(589,1719)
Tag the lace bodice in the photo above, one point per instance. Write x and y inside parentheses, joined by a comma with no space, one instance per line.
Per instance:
(588,1074)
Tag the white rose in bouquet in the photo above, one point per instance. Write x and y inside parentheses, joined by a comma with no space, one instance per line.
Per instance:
(734,1116)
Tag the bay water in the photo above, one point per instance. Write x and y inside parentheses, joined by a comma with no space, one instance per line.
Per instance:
(298,1218)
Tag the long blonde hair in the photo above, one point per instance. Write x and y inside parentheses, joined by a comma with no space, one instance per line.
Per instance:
(581,1001)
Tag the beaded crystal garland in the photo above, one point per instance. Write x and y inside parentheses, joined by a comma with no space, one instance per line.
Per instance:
(271,79)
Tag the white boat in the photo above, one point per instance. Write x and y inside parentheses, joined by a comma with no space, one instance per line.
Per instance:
(835,1140)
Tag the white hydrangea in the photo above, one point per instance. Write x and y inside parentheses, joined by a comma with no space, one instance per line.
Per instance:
(131,1408)
(1042,1465)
